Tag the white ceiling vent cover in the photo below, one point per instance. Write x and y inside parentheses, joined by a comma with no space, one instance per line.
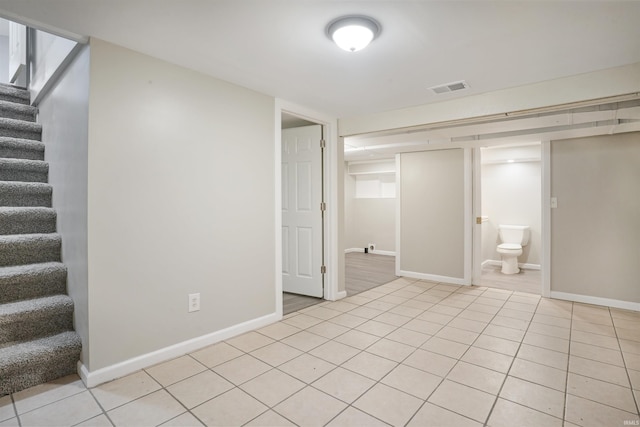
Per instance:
(450,87)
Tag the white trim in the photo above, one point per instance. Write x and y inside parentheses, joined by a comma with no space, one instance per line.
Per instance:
(108,373)
(398,212)
(340,295)
(477,212)
(586,299)
(277,155)
(545,164)
(524,265)
(468,215)
(433,277)
(376,252)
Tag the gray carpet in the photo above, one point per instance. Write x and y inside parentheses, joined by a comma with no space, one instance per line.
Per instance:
(37,341)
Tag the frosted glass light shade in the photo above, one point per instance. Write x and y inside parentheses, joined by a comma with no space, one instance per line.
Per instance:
(353,33)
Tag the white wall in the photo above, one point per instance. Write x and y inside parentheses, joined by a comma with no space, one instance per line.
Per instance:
(49,53)
(63,114)
(181,200)
(4,59)
(511,194)
(595,237)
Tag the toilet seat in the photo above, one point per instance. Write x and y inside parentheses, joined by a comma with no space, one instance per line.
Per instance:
(509,247)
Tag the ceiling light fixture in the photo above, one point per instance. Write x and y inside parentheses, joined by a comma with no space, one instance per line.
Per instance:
(354,32)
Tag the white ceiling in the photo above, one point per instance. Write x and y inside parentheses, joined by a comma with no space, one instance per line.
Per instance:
(279,47)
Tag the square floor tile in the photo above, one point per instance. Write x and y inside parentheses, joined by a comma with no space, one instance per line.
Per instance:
(594,328)
(588,413)
(391,350)
(175,370)
(445,347)
(433,316)
(99,421)
(414,381)
(232,408)
(407,311)
(431,415)
(334,352)
(635,379)
(242,369)
(216,354)
(598,370)
(388,404)
(488,359)
(602,392)
(539,374)
(186,419)
(504,332)
(533,396)
(310,407)
(510,322)
(276,354)
(272,387)
(357,339)
(152,409)
(370,365)
(302,321)
(365,312)
(304,340)
(467,324)
(516,314)
(457,335)
(629,346)
(546,341)
(475,315)
(508,414)
(600,354)
(68,411)
(307,368)
(409,337)
(499,345)
(342,306)
(595,339)
(552,320)
(376,328)
(6,408)
(423,326)
(392,319)
(430,362)
(328,329)
(250,341)
(477,377)
(199,388)
(125,389)
(13,422)
(278,330)
(343,384)
(463,400)
(632,361)
(323,313)
(43,394)
(354,417)
(543,356)
(271,419)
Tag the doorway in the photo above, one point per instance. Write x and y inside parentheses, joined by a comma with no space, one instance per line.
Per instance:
(509,183)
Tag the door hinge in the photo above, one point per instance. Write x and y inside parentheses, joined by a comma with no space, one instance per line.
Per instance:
(323,269)
(323,206)
(323,143)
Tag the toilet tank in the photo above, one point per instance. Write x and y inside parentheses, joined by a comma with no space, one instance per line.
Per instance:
(518,234)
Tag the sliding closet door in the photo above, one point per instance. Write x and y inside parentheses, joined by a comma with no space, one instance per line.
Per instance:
(434,215)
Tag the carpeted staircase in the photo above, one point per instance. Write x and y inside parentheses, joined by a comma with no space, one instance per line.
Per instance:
(37,340)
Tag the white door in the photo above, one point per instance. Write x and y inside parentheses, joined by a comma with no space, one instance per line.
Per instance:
(301,211)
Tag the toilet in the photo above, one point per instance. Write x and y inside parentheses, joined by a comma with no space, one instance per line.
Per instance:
(513,238)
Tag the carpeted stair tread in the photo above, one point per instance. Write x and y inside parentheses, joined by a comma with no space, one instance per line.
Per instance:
(21,249)
(16,193)
(14,94)
(27,220)
(20,282)
(24,170)
(29,363)
(35,318)
(13,110)
(20,129)
(19,148)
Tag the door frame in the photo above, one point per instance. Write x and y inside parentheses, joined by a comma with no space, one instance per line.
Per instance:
(331,175)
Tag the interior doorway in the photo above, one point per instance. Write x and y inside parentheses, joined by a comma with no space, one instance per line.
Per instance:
(508,192)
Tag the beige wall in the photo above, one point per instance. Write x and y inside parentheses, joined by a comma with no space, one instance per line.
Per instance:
(595,237)
(511,194)
(432,212)
(181,189)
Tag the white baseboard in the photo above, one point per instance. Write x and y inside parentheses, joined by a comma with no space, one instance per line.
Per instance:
(498,263)
(377,252)
(108,373)
(586,299)
(340,295)
(433,277)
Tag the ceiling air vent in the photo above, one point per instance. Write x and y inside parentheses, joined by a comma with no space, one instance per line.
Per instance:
(450,87)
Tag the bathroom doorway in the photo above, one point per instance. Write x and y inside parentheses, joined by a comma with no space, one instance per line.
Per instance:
(509,192)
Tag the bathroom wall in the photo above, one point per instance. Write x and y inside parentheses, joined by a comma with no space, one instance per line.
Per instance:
(511,194)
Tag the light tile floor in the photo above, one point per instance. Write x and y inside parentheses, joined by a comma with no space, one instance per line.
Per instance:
(409,352)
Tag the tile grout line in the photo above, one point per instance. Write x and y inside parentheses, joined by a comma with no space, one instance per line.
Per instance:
(624,362)
(566,379)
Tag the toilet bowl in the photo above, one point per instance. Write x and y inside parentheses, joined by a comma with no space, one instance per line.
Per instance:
(513,238)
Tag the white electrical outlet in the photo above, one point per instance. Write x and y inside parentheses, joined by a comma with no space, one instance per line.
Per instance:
(372,247)
(194,302)
(554,202)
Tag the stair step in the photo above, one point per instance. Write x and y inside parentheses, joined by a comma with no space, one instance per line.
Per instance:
(32,281)
(14,193)
(12,110)
(27,220)
(30,363)
(14,94)
(20,129)
(17,148)
(21,249)
(35,318)
(24,170)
